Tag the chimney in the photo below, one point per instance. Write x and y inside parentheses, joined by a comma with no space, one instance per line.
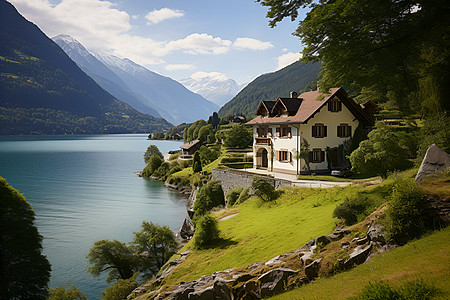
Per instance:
(293,94)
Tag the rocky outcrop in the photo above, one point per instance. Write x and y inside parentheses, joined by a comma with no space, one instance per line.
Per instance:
(265,279)
(436,160)
(187,229)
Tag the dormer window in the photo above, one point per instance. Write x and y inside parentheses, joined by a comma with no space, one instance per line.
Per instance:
(334,105)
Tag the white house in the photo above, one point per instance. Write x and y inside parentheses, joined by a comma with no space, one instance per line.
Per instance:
(312,126)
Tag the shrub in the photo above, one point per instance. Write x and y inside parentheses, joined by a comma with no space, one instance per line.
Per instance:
(238,137)
(206,232)
(263,188)
(208,197)
(406,216)
(120,289)
(162,171)
(352,209)
(243,196)
(69,293)
(233,195)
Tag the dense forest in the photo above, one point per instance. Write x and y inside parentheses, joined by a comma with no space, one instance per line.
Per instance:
(295,77)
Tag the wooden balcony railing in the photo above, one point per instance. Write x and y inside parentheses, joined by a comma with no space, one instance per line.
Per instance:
(262,141)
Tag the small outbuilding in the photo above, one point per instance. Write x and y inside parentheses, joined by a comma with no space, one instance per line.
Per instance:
(190,147)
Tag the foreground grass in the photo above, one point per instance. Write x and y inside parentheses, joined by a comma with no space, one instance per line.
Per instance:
(427,259)
(262,231)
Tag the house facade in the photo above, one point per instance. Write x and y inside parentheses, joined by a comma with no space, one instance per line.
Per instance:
(305,133)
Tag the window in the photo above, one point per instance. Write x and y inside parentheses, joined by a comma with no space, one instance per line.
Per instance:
(344,130)
(319,131)
(261,131)
(284,132)
(334,105)
(317,155)
(283,156)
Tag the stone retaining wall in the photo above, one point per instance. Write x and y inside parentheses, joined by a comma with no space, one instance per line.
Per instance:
(231,179)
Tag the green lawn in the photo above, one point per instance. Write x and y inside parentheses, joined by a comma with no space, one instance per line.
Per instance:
(262,231)
(427,259)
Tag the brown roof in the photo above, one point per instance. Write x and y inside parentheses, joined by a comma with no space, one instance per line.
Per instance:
(189,145)
(311,103)
(291,104)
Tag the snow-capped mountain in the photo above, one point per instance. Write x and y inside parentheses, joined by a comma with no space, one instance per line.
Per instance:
(214,86)
(104,77)
(174,102)
(138,86)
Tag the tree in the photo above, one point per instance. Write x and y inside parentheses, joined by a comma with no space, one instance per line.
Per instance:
(61,293)
(153,164)
(204,132)
(393,50)
(120,289)
(152,149)
(238,136)
(208,197)
(24,270)
(197,165)
(156,243)
(206,232)
(380,153)
(263,188)
(113,256)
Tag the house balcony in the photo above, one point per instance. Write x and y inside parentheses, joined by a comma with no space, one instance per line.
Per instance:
(263,141)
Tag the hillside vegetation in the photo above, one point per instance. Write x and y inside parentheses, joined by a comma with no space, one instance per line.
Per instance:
(295,77)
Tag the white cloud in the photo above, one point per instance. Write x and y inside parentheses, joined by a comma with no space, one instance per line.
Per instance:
(212,75)
(252,44)
(174,67)
(200,43)
(159,15)
(287,59)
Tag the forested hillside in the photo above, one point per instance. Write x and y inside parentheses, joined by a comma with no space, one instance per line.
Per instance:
(42,91)
(294,77)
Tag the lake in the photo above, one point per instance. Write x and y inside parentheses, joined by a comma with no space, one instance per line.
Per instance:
(84,188)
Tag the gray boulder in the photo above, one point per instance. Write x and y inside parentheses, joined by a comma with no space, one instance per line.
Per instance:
(312,270)
(436,160)
(376,234)
(358,256)
(274,281)
(187,229)
(219,290)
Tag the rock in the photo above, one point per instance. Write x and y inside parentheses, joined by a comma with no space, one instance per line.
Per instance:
(338,233)
(358,256)
(436,160)
(187,229)
(312,270)
(307,258)
(219,290)
(312,244)
(376,234)
(274,281)
(250,290)
(182,292)
(360,241)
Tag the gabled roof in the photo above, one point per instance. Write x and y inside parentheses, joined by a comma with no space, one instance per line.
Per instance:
(290,104)
(311,103)
(268,105)
(190,144)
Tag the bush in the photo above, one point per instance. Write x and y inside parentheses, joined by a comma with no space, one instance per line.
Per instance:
(406,216)
(162,171)
(238,136)
(263,188)
(120,289)
(416,290)
(352,209)
(233,195)
(206,232)
(243,196)
(69,293)
(208,197)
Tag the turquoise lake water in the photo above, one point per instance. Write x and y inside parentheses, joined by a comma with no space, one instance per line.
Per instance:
(83,189)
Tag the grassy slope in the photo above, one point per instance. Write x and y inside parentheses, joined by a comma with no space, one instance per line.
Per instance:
(262,231)
(427,259)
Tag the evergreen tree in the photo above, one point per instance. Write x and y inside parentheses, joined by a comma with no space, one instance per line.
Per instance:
(24,270)
(197,165)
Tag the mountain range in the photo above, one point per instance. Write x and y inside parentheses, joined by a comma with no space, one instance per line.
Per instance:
(42,91)
(295,77)
(215,87)
(134,84)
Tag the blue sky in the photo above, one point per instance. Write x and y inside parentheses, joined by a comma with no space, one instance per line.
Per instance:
(175,38)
